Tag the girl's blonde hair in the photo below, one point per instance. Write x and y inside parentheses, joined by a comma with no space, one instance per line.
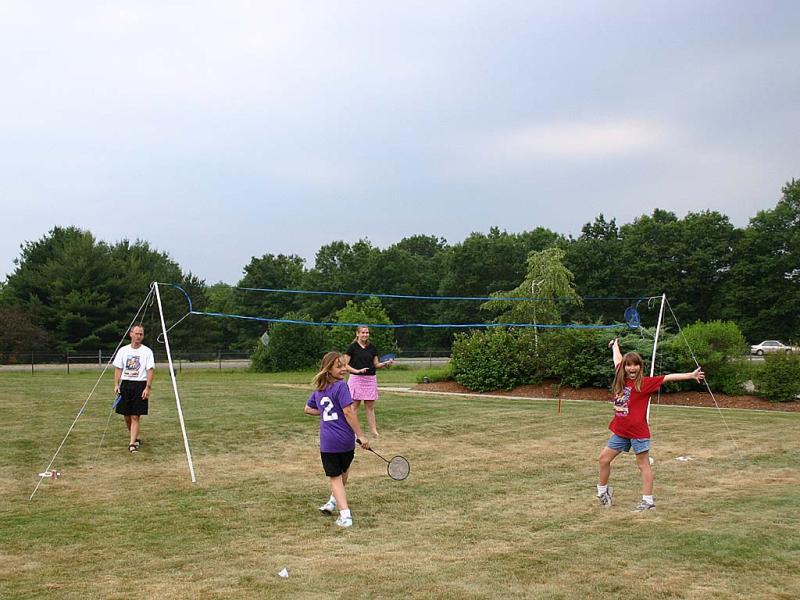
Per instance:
(631,358)
(359,328)
(324,378)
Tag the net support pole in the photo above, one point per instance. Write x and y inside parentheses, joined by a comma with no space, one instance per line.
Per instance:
(655,346)
(174,384)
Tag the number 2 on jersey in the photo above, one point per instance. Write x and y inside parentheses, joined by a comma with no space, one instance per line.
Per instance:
(327,410)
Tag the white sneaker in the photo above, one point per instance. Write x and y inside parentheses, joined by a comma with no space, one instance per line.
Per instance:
(344,521)
(607,498)
(643,506)
(328,507)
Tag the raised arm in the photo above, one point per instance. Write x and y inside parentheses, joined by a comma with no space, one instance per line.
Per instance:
(614,345)
(697,375)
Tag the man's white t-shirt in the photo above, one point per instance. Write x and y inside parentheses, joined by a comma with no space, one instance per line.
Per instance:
(134,362)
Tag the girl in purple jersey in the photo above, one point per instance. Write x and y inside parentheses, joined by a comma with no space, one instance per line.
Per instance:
(338,430)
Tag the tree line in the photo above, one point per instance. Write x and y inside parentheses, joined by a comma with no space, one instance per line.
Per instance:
(70,292)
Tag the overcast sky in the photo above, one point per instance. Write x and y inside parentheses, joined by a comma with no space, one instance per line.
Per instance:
(219,131)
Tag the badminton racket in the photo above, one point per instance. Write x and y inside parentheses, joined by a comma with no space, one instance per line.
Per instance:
(116,401)
(632,317)
(398,468)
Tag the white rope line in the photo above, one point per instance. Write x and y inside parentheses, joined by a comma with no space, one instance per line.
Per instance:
(91,393)
(160,338)
(705,381)
(111,410)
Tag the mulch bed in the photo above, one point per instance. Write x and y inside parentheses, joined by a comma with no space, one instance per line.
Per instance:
(549,390)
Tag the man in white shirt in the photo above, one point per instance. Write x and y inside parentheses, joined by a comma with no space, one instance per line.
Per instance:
(133,375)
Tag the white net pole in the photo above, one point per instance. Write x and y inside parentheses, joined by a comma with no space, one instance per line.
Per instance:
(655,346)
(174,384)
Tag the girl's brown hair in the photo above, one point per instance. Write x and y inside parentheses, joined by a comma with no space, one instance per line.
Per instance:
(631,358)
(324,378)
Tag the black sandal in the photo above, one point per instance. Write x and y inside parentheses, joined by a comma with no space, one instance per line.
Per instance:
(132,448)
(137,443)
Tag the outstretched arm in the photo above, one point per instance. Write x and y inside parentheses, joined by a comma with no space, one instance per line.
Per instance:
(697,375)
(380,365)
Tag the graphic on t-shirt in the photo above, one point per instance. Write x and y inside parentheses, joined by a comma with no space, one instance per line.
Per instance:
(132,366)
(328,410)
(621,402)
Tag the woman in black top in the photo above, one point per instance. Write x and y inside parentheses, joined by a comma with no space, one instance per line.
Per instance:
(363,384)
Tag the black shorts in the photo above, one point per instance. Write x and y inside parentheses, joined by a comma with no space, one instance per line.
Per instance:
(337,463)
(132,403)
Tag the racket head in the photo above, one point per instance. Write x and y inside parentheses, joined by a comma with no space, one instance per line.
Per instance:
(264,339)
(632,317)
(398,468)
(387,357)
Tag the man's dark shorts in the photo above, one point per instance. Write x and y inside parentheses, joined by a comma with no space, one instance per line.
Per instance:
(132,403)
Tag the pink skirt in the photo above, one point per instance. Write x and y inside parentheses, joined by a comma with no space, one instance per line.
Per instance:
(363,387)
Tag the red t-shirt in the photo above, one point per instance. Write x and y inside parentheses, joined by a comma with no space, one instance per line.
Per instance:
(630,417)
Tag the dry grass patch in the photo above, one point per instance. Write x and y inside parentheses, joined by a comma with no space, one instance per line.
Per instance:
(499,502)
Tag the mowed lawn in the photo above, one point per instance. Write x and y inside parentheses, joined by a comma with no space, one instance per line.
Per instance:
(499,504)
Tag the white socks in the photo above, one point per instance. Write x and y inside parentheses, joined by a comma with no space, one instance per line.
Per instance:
(345,514)
(648,499)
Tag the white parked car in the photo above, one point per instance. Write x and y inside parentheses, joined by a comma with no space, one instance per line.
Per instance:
(770,346)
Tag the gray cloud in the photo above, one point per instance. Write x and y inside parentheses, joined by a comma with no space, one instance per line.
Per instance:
(219,132)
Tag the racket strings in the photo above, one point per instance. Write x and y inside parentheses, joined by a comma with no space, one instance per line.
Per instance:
(398,468)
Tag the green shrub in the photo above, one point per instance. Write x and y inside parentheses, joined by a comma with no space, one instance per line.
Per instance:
(577,357)
(291,347)
(718,346)
(490,360)
(530,362)
(778,379)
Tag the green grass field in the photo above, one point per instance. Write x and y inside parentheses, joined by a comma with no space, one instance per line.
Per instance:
(500,501)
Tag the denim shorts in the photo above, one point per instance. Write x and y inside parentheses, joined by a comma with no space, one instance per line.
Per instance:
(622,444)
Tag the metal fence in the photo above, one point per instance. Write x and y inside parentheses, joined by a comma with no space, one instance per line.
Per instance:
(50,361)
(93,361)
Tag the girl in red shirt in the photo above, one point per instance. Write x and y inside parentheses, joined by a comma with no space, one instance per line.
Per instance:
(629,426)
